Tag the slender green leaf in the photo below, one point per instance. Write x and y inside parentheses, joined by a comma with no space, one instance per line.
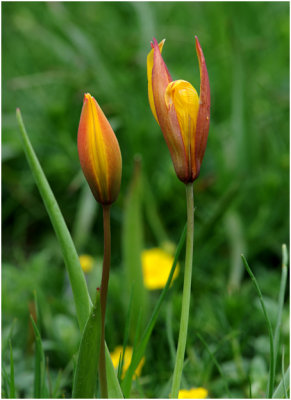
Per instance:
(12,384)
(82,300)
(86,211)
(39,369)
(216,364)
(283,385)
(280,303)
(125,338)
(139,350)
(220,209)
(56,389)
(283,377)
(114,390)
(169,331)
(7,338)
(49,381)
(80,292)
(152,214)
(5,383)
(132,240)
(86,373)
(269,326)
(63,377)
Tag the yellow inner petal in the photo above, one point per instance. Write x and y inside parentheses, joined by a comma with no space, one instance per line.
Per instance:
(185,99)
(150,64)
(97,146)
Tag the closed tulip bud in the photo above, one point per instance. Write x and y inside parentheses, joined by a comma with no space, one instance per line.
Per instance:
(183,116)
(99,152)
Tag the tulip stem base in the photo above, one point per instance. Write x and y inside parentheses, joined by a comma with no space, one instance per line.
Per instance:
(103,298)
(186,293)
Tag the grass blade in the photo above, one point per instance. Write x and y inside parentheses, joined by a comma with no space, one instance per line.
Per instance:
(86,373)
(84,218)
(283,385)
(132,241)
(216,364)
(138,351)
(125,338)
(4,383)
(151,210)
(280,302)
(220,210)
(269,326)
(283,377)
(39,371)
(12,383)
(169,331)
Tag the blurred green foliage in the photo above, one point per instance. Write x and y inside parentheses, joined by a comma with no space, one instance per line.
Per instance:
(55,52)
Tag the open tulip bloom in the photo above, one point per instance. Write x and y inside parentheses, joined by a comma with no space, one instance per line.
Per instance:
(182,115)
(184,119)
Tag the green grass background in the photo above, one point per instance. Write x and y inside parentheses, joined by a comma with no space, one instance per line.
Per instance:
(52,53)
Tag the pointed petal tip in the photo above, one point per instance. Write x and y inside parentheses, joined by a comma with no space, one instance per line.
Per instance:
(154,43)
(197,42)
(87,96)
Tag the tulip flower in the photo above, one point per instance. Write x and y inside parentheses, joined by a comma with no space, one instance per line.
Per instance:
(100,160)
(99,152)
(184,118)
(182,115)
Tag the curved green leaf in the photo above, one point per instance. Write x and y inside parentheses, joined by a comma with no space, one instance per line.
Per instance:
(39,372)
(86,373)
(79,287)
(271,380)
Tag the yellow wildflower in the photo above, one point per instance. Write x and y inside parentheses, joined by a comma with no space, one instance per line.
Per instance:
(86,262)
(156,266)
(193,393)
(116,355)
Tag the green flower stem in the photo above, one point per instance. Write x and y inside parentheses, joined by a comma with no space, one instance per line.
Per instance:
(186,293)
(103,298)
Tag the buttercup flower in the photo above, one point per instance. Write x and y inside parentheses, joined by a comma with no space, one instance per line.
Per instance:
(99,152)
(182,115)
(116,355)
(86,262)
(194,393)
(156,266)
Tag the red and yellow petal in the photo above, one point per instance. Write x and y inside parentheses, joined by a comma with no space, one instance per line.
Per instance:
(203,118)
(150,63)
(166,115)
